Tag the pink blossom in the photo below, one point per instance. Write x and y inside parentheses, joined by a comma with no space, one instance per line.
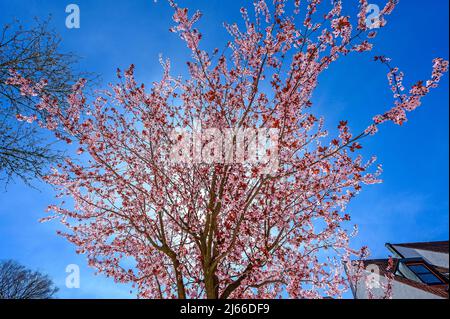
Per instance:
(222,230)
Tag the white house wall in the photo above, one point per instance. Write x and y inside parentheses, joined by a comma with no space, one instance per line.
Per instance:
(434,258)
(400,291)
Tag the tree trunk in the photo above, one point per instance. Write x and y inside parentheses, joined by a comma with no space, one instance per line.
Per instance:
(211,285)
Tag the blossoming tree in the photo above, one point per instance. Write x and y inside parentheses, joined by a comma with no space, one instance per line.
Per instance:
(223,229)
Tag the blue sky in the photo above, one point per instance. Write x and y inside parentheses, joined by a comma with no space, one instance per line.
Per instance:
(411,205)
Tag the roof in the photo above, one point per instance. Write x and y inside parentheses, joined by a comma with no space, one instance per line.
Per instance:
(440,290)
(436,246)
(442,270)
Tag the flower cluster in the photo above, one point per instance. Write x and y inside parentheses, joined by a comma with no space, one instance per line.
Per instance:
(407,102)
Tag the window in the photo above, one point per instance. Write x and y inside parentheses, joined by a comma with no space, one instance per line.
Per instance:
(425,274)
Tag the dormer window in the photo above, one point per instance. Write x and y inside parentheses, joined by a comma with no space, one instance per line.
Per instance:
(425,274)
